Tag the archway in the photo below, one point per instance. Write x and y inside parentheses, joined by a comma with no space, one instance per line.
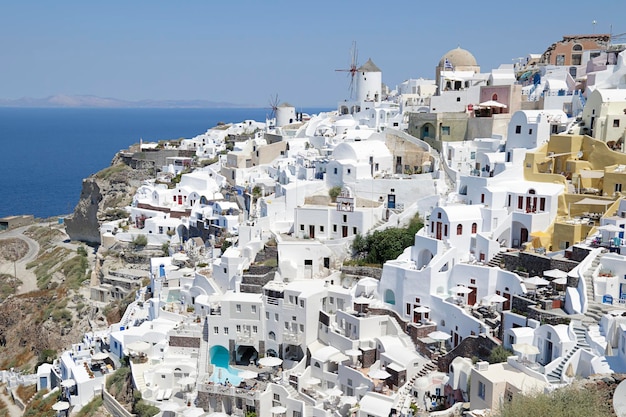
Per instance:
(390,297)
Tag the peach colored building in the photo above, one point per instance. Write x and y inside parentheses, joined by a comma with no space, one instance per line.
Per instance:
(569,50)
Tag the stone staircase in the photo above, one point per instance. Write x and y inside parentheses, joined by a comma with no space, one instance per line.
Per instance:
(595,309)
(496,260)
(556,374)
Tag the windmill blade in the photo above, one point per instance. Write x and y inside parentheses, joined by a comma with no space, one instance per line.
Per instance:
(352,70)
(273,106)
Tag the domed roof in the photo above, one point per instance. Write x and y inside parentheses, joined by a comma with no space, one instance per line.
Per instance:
(459,57)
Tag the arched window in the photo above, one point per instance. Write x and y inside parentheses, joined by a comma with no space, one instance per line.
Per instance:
(494,97)
(272,336)
(459,229)
(474,227)
(390,297)
(577,47)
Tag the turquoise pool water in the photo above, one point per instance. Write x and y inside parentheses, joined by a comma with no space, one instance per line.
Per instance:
(173,296)
(220,357)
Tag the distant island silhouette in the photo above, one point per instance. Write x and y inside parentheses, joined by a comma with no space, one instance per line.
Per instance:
(62,100)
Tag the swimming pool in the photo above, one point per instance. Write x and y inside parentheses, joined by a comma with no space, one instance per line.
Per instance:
(173,296)
(220,357)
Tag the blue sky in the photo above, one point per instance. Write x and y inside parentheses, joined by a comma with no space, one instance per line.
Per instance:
(247,51)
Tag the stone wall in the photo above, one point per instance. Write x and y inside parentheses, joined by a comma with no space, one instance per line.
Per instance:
(185,341)
(534,263)
(362,271)
(472,346)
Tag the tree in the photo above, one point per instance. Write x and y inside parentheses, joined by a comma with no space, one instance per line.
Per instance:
(334,192)
(499,354)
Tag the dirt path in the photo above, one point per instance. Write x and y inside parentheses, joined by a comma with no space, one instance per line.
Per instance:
(27,276)
(14,410)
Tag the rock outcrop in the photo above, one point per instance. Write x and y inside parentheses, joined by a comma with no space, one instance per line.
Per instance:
(103,197)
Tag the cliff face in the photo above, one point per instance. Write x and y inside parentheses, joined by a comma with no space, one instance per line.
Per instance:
(103,196)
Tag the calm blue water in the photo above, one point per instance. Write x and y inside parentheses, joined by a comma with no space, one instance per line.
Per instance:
(46,153)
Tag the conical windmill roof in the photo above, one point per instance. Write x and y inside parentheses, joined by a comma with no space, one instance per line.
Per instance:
(369,66)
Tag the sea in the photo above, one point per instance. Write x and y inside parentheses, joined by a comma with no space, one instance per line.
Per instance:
(47,152)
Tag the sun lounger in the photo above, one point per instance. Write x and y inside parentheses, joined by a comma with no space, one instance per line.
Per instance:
(160,395)
(168,394)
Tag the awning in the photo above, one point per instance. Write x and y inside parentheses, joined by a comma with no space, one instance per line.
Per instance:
(587,173)
(594,202)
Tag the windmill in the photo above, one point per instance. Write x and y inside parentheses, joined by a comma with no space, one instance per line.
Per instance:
(354,57)
(273,106)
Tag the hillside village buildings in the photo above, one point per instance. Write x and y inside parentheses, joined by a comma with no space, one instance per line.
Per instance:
(517,175)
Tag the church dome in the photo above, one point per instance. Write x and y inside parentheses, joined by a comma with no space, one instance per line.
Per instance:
(459,58)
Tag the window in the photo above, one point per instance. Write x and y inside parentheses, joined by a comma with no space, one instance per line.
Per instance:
(335,228)
(520,202)
(345,218)
(560,60)
(349,171)
(618,188)
(494,97)
(445,130)
(354,230)
(272,336)
(335,171)
(255,329)
(275,316)
(530,131)
(267,315)
(408,308)
(615,122)
(459,229)
(302,227)
(253,309)
(216,330)
(225,330)
(445,230)
(277,397)
(308,262)
(576,59)
(331,300)
(474,227)
(458,99)
(481,390)
(302,328)
(518,129)
(302,303)
(321,229)
(238,308)
(287,325)
(160,230)
(238,328)
(482,198)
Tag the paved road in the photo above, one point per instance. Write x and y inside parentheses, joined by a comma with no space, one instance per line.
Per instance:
(27,276)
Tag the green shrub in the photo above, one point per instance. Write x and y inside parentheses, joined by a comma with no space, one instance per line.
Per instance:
(334,192)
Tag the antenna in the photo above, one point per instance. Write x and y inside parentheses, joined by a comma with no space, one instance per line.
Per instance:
(354,58)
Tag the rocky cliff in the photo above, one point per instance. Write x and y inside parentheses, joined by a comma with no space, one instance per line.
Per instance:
(103,197)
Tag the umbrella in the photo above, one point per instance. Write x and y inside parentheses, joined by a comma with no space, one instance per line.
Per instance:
(492,103)
(169,406)
(439,335)
(494,298)
(313,381)
(378,374)
(459,289)
(61,405)
(525,348)
(536,281)
(278,409)
(421,309)
(610,228)
(555,273)
(193,412)
(99,356)
(270,361)
(68,383)
(248,374)
(139,346)
(560,281)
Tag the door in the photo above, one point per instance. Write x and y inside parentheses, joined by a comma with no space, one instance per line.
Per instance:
(344,231)
(312,231)
(180,199)
(438,235)
(547,358)
(523,235)
(471,297)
